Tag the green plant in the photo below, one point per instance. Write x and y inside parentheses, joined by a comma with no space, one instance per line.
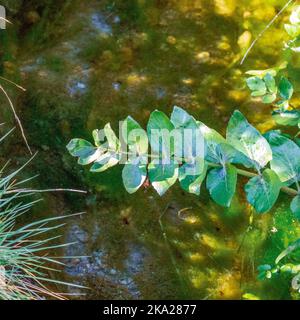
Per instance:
(292,268)
(272,85)
(273,156)
(24,259)
(272,159)
(269,160)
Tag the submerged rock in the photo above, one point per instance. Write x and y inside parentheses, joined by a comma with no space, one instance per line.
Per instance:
(87,263)
(99,23)
(77,87)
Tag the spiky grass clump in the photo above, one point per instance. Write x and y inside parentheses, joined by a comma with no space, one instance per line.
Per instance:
(24,251)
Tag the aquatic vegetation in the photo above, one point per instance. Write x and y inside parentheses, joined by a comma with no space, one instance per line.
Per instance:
(270,160)
(274,88)
(291,268)
(272,85)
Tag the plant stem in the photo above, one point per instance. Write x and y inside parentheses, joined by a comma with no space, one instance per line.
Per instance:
(249,174)
(168,246)
(16,118)
(44,190)
(290,191)
(265,29)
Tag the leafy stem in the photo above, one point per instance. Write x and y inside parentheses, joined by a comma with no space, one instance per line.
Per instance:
(249,174)
(272,155)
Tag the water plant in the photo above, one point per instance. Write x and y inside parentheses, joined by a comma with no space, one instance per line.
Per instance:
(292,268)
(273,87)
(270,160)
(265,155)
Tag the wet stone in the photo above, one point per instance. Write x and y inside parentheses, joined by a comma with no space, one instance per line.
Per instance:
(116,86)
(99,23)
(94,263)
(160,93)
(77,87)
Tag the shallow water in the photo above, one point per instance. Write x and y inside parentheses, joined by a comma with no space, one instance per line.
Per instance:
(92,62)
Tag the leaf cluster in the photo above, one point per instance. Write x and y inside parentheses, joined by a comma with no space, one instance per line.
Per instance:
(271,159)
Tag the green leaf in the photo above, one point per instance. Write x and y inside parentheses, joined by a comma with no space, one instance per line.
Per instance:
(262,191)
(89,157)
(134,136)
(162,176)
(286,155)
(112,140)
(191,175)
(272,71)
(296,282)
(193,143)
(133,175)
(225,153)
(84,150)
(292,30)
(270,83)
(78,147)
(285,88)
(221,183)
(256,84)
(180,117)
(264,267)
(107,154)
(105,161)
(158,129)
(161,171)
(258,93)
(292,247)
(246,139)
(262,73)
(264,271)
(282,105)
(269,98)
(212,140)
(295,206)
(96,136)
(286,118)
(290,268)
(218,150)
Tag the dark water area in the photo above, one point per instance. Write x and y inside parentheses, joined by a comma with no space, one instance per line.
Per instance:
(86,63)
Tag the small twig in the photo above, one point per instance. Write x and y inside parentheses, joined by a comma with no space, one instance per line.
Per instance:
(15,84)
(44,190)
(167,242)
(16,117)
(265,29)
(7,134)
(2,18)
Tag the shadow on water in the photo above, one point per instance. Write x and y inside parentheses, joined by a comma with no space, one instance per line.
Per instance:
(88,63)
